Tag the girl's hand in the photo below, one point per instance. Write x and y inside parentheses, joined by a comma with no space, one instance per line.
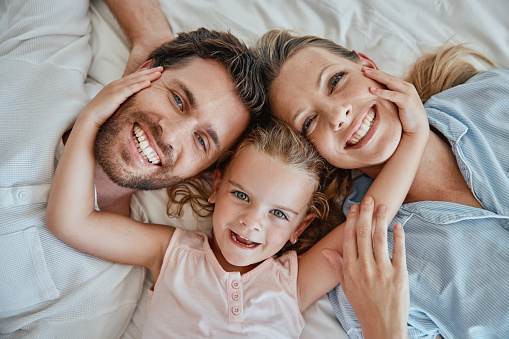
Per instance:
(376,286)
(109,99)
(404,95)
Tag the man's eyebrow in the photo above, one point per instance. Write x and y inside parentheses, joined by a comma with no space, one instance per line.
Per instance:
(213,135)
(189,95)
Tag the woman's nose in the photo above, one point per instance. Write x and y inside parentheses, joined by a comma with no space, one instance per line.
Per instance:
(337,115)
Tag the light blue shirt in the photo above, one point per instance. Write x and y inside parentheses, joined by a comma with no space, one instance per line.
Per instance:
(458,256)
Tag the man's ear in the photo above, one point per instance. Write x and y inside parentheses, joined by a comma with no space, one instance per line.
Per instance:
(215,186)
(366,61)
(146,65)
(308,219)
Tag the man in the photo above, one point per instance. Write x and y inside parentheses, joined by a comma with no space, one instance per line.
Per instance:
(188,117)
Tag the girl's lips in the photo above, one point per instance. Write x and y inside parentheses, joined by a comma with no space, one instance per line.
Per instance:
(242,242)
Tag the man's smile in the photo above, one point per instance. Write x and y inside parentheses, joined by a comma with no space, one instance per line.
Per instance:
(146,151)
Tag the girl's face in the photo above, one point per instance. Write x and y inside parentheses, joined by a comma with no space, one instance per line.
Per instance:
(327,98)
(260,204)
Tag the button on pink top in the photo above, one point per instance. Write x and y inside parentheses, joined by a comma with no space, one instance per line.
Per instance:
(195,297)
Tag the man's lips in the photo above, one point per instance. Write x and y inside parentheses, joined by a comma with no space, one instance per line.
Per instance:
(364,126)
(242,242)
(142,144)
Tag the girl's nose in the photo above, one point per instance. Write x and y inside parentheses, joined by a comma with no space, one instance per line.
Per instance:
(252,220)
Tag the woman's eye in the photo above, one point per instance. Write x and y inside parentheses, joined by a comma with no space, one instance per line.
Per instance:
(178,101)
(279,214)
(335,79)
(306,124)
(241,195)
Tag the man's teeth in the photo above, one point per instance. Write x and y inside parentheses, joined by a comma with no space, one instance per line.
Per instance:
(242,240)
(365,126)
(142,144)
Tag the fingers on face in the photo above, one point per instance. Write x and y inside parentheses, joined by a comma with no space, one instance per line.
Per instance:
(398,90)
(137,81)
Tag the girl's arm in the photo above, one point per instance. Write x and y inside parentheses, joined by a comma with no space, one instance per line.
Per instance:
(390,187)
(71,215)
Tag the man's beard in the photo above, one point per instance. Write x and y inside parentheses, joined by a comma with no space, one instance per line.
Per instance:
(119,165)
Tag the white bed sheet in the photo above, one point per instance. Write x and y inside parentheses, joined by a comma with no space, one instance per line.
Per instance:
(392,33)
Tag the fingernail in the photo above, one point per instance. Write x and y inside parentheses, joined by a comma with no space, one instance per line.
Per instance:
(382,208)
(398,226)
(368,200)
(354,208)
(372,89)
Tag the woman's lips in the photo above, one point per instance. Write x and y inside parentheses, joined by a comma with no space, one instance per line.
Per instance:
(363,129)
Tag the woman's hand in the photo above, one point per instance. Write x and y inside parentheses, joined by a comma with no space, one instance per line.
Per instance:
(404,95)
(106,102)
(376,286)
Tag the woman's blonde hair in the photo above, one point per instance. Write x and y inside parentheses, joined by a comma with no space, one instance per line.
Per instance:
(432,73)
(283,144)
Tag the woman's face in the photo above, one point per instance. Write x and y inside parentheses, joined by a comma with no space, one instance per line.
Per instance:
(327,98)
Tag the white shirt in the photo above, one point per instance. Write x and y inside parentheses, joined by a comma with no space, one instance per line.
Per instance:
(48,289)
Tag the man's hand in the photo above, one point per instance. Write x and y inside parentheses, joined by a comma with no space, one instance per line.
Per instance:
(376,286)
(144,25)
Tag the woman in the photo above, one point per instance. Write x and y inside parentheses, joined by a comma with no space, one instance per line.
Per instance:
(456,213)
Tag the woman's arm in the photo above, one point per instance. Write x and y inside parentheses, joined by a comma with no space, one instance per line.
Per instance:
(376,286)
(71,214)
(390,187)
(145,26)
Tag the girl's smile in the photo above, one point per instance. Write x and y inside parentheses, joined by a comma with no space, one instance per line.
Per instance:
(260,203)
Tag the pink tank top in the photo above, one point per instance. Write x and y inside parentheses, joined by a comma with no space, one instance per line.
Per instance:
(194,297)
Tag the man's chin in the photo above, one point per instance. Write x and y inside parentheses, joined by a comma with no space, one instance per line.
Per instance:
(141,183)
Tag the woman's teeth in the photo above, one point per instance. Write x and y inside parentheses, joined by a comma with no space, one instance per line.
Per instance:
(242,240)
(142,144)
(361,132)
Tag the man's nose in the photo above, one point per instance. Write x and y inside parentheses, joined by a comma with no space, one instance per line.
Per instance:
(178,132)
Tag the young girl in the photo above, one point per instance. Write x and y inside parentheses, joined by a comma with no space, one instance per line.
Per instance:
(268,194)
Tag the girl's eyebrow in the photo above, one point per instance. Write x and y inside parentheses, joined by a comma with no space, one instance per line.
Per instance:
(279,207)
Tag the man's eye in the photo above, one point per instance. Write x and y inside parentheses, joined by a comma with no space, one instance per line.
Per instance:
(201,141)
(279,214)
(241,195)
(306,124)
(178,101)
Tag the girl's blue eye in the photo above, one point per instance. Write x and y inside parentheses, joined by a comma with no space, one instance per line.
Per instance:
(241,195)
(306,124)
(279,214)
(178,101)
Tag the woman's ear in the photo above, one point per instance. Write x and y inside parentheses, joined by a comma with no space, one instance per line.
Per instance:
(146,65)
(366,61)
(308,219)
(215,186)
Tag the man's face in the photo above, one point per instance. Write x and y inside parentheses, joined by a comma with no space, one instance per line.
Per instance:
(174,129)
